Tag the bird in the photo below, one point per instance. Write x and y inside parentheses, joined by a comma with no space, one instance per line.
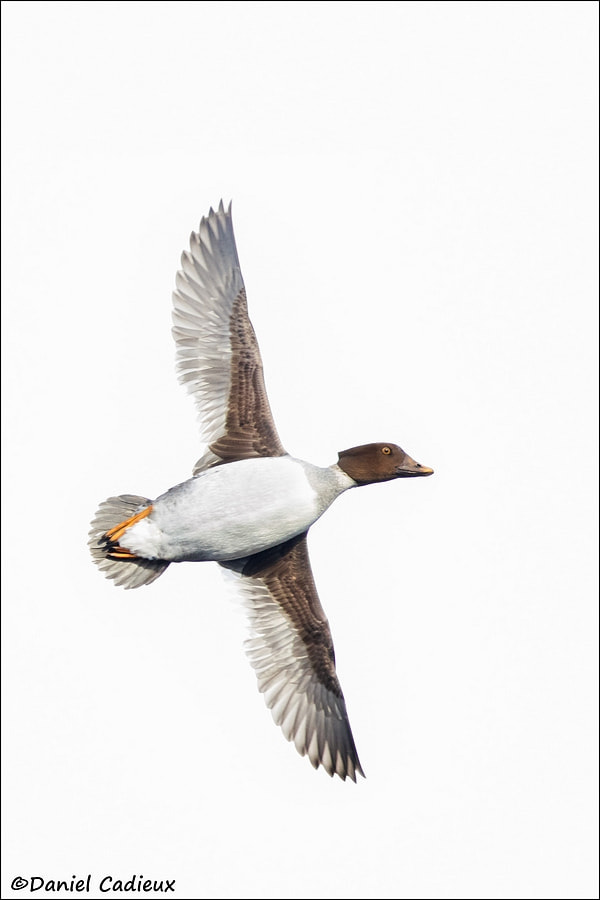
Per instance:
(249,504)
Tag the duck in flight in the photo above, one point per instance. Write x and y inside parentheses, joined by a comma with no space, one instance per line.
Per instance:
(248,505)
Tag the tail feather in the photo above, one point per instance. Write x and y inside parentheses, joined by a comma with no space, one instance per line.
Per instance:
(115,562)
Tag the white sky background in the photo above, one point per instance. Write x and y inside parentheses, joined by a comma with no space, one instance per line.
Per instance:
(414,204)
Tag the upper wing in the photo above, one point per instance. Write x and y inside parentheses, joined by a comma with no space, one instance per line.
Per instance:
(292,653)
(217,353)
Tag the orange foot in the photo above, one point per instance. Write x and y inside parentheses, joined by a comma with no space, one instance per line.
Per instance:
(118,552)
(119,530)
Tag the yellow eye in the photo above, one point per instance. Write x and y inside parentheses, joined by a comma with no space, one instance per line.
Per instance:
(386,450)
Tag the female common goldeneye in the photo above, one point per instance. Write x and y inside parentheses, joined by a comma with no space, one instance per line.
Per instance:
(249,504)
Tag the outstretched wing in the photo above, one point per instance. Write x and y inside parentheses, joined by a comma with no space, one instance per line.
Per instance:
(292,652)
(218,358)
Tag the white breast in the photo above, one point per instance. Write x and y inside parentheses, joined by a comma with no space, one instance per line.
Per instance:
(234,510)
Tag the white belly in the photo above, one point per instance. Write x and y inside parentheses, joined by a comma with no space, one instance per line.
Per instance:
(230,511)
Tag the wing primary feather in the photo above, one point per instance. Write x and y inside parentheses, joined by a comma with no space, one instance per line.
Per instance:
(218,358)
(291,651)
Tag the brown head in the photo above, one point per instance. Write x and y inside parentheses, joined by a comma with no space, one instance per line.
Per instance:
(379,462)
